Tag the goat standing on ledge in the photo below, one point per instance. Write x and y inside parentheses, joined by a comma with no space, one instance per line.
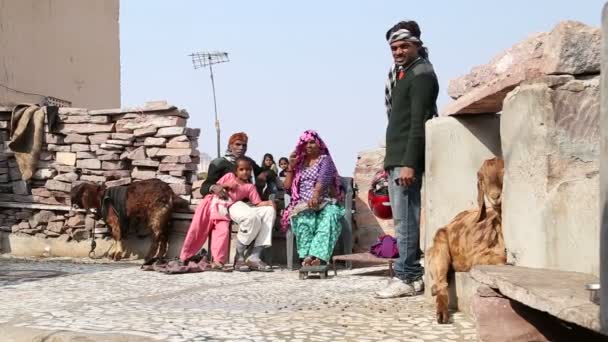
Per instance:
(149,203)
(474,237)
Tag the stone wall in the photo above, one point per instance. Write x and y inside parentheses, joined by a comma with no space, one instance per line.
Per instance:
(114,147)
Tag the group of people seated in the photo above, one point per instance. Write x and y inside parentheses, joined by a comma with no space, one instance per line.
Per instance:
(238,190)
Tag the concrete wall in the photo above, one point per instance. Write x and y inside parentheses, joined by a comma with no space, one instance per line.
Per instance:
(68,49)
(550,142)
(455,149)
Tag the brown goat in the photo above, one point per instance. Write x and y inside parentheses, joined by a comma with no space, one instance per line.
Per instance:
(473,237)
(148,203)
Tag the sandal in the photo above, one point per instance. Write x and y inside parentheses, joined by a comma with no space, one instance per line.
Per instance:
(258,265)
(241,266)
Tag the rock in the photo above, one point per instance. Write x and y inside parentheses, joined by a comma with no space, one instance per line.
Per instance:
(144,121)
(119,142)
(14,174)
(93,164)
(86,128)
(171,179)
(176,167)
(116,173)
(20,188)
(24,215)
(179,138)
(123,136)
(80,148)
(46,156)
(149,106)
(174,152)
(176,159)
(43,216)
(58,148)
(152,152)
(170,131)
(150,141)
(558,52)
(95,179)
(51,234)
(67,177)
(143,174)
(76,220)
(137,154)
(54,185)
(113,165)
(110,156)
(56,226)
(76,139)
(145,132)
(94,148)
(53,139)
(41,192)
(551,143)
(181,189)
(73,111)
(64,168)
(111,146)
(99,138)
(176,173)
(145,162)
(81,234)
(86,155)
(180,144)
(119,182)
(84,119)
(65,158)
(44,174)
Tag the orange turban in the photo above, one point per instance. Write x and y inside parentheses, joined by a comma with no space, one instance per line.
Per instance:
(242,136)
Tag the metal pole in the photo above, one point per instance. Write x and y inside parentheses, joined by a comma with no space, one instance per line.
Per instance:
(217,121)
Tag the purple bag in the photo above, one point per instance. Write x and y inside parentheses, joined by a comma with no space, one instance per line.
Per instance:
(386,247)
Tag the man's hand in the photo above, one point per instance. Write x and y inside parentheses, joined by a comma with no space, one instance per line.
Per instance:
(219,190)
(292,160)
(407,176)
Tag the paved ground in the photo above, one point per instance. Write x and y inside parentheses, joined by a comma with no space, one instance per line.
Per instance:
(73,300)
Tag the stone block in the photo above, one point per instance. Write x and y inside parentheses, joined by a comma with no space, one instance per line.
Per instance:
(80,148)
(151,141)
(41,217)
(145,132)
(557,52)
(93,164)
(76,139)
(119,142)
(123,136)
(107,146)
(20,188)
(86,155)
(152,152)
(56,226)
(86,128)
(116,173)
(84,119)
(109,156)
(58,148)
(179,138)
(180,144)
(551,142)
(92,178)
(53,139)
(176,167)
(176,159)
(145,163)
(113,165)
(137,154)
(14,173)
(76,220)
(143,174)
(99,138)
(166,132)
(81,234)
(65,158)
(54,185)
(64,168)
(174,152)
(176,173)
(145,121)
(46,156)
(94,147)
(119,182)
(67,177)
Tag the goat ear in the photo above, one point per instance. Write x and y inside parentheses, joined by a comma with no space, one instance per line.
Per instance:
(481,201)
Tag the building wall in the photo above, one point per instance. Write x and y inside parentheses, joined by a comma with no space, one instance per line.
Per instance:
(68,49)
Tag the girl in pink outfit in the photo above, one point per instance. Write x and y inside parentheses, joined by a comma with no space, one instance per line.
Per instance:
(211,216)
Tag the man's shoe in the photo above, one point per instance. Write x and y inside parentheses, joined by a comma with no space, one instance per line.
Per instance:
(401,288)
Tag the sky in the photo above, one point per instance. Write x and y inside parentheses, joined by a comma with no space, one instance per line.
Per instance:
(311,64)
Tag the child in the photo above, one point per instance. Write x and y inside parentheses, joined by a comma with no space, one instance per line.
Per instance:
(283,164)
(211,216)
(268,163)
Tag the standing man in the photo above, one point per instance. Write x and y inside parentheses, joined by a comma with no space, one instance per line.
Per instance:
(411,94)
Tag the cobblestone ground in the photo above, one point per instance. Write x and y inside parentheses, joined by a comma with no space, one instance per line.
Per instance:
(110,302)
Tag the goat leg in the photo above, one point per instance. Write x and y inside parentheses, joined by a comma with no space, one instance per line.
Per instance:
(439,265)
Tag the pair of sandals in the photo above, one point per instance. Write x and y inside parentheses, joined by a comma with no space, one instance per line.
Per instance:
(248,265)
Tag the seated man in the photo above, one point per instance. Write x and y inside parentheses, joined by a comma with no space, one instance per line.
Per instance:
(255,223)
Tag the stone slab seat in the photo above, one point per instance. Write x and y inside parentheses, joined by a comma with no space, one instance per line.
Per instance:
(561,294)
